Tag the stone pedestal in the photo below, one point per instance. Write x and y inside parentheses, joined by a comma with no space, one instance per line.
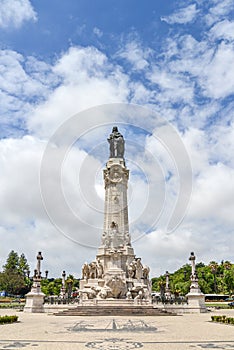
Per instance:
(196,299)
(35,299)
(34,302)
(196,302)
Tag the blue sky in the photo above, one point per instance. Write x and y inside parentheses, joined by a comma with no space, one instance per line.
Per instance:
(60,24)
(59,58)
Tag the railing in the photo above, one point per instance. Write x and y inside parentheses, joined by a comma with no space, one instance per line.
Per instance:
(181,300)
(56,300)
(159,300)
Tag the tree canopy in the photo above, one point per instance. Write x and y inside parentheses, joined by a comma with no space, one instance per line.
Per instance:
(15,276)
(213,278)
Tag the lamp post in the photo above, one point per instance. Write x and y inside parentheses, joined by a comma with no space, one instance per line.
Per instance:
(63,288)
(167,289)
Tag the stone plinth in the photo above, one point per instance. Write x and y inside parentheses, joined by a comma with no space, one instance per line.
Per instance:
(196,302)
(34,302)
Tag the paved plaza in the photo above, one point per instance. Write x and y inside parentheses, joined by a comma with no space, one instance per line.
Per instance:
(47,331)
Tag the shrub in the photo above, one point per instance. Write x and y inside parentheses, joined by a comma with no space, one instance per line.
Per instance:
(8,319)
(223,319)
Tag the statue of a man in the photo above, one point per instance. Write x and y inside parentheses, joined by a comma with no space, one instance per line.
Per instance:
(116,142)
(99,269)
(139,268)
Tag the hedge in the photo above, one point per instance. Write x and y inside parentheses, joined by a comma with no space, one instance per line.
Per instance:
(223,319)
(8,319)
(12,306)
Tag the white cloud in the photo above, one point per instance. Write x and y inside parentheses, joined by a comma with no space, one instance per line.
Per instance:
(182,16)
(213,187)
(23,220)
(24,77)
(15,12)
(88,79)
(165,252)
(208,225)
(136,55)
(97,32)
(80,63)
(173,87)
(222,140)
(23,80)
(140,94)
(210,66)
(223,30)
(213,194)
(219,10)
(218,78)
(45,238)
(20,164)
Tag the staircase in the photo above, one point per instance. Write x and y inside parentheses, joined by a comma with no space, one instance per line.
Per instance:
(111,310)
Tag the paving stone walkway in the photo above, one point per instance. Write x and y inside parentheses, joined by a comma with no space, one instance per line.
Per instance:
(43,331)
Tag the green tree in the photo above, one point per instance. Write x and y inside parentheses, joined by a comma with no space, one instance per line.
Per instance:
(213,265)
(14,278)
(213,278)
(12,282)
(23,266)
(51,287)
(229,280)
(12,262)
(227,265)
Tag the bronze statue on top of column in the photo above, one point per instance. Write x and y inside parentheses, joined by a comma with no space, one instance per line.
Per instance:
(116,142)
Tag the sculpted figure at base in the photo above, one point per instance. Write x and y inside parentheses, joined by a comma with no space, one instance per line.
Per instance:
(145,272)
(88,293)
(129,295)
(140,296)
(85,271)
(131,270)
(117,287)
(127,239)
(105,293)
(93,270)
(99,269)
(139,268)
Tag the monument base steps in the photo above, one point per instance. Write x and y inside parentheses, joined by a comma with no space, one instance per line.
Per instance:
(140,310)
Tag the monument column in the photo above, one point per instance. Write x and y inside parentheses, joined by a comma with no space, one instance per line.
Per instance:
(35,298)
(196,299)
(39,259)
(116,270)
(116,184)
